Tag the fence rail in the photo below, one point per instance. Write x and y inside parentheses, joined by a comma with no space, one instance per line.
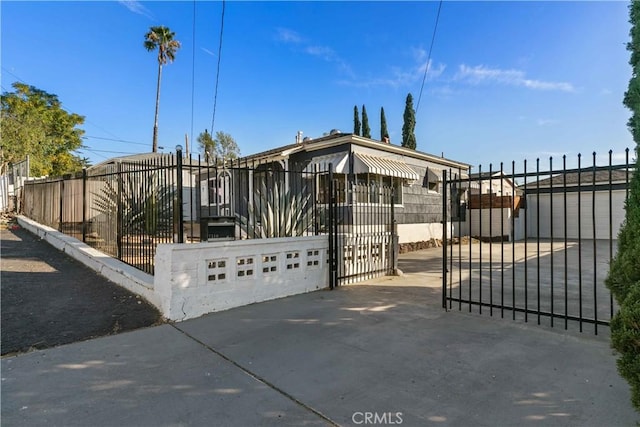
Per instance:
(127,208)
(554,247)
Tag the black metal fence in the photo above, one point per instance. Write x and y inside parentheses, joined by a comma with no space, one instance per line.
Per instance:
(363,240)
(126,208)
(535,244)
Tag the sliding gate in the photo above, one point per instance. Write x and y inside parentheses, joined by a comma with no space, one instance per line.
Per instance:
(362,237)
(538,251)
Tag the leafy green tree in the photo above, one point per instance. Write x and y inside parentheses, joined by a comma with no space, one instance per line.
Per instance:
(222,147)
(409,126)
(161,39)
(384,133)
(624,271)
(366,130)
(356,121)
(34,124)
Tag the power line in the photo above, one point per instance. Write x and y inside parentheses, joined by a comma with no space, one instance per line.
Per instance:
(93,150)
(63,107)
(426,70)
(215,97)
(114,140)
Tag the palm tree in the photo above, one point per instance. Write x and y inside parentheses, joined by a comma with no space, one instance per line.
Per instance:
(160,38)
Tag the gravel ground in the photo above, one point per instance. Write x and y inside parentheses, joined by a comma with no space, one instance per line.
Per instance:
(49,299)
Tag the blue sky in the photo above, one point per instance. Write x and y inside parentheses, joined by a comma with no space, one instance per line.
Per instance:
(507,80)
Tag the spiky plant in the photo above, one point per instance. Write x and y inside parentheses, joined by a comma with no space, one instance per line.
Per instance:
(147,204)
(276,212)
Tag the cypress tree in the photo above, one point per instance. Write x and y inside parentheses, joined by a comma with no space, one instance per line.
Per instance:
(384,133)
(409,126)
(366,130)
(624,272)
(356,121)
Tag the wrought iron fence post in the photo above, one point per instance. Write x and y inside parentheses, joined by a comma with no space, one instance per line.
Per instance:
(444,239)
(61,187)
(84,205)
(179,195)
(395,249)
(119,213)
(332,231)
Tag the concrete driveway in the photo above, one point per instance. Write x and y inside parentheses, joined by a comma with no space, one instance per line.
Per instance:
(384,352)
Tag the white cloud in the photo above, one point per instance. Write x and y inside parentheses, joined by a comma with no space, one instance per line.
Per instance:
(208,52)
(605,92)
(401,77)
(325,53)
(482,74)
(136,7)
(547,122)
(288,36)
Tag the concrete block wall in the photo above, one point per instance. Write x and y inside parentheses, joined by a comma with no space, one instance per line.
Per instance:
(195,279)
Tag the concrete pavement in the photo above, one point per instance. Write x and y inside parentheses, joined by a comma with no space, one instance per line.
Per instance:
(384,353)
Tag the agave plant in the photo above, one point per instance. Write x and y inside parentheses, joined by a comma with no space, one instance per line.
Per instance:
(276,212)
(147,204)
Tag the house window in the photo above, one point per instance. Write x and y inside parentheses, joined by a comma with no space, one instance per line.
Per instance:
(396,184)
(432,180)
(323,187)
(216,192)
(372,188)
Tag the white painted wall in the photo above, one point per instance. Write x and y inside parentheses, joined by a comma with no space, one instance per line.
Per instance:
(195,279)
(187,281)
(495,223)
(408,233)
(547,217)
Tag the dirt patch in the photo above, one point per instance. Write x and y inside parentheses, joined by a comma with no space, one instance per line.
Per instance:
(49,299)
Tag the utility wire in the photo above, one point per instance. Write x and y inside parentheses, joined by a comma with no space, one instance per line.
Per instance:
(426,70)
(114,140)
(63,107)
(215,97)
(93,150)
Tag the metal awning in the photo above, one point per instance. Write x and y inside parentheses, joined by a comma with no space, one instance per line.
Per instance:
(338,161)
(364,163)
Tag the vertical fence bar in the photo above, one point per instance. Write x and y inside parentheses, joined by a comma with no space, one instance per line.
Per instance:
(450,268)
(538,236)
(61,187)
(566,242)
(119,209)
(332,255)
(470,243)
(526,240)
(444,239)
(458,186)
(595,265)
(180,195)
(84,205)
(580,239)
(491,239)
(501,240)
(610,230)
(513,241)
(551,234)
(480,240)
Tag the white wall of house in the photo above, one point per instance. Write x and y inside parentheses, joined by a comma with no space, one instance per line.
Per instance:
(602,214)
(485,223)
(195,279)
(408,233)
